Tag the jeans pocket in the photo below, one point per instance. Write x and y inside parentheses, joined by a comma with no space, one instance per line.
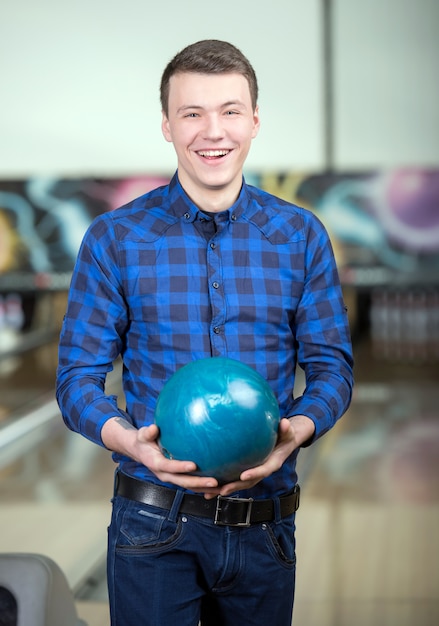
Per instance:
(281,542)
(144,526)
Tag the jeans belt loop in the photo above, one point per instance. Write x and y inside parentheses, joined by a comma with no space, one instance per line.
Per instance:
(277,510)
(173,512)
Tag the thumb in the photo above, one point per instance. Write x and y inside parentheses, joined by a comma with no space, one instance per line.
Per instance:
(284,427)
(147,434)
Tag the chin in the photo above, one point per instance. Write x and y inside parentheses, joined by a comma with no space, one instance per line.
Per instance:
(220,181)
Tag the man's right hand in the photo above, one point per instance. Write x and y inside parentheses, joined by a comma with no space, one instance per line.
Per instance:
(141,445)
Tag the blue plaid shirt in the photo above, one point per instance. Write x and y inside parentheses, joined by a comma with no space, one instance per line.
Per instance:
(161,283)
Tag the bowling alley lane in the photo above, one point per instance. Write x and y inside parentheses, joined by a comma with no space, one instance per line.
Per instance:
(55,486)
(367,528)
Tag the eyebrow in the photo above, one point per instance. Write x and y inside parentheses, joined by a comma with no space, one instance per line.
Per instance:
(197,107)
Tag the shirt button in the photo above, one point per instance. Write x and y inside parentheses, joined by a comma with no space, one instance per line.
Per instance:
(233,218)
(187,216)
(217,330)
(213,245)
(215,285)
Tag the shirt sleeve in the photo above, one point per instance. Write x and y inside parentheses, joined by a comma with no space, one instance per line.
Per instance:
(323,337)
(90,339)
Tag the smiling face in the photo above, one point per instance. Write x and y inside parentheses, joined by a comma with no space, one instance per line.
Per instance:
(211,123)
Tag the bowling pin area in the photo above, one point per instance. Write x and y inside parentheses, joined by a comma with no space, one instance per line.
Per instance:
(367,527)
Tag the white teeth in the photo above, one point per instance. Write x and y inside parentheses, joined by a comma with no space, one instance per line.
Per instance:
(213,153)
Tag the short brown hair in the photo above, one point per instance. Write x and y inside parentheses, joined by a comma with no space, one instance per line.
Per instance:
(209,56)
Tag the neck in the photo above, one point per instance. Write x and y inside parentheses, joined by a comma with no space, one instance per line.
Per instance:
(213,199)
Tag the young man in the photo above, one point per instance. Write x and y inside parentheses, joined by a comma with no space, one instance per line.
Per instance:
(206,266)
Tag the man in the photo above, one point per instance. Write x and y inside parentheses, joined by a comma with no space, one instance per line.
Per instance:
(206,266)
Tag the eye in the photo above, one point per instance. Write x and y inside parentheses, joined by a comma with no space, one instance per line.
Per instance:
(192,115)
(232,112)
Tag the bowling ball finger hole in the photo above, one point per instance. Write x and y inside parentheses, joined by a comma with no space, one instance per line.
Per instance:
(167,454)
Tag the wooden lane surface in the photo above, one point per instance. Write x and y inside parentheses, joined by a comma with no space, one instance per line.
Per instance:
(72,534)
(367,527)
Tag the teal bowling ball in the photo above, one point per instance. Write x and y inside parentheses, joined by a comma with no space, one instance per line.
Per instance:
(219,413)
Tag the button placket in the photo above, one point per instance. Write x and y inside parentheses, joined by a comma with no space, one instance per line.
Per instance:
(216,294)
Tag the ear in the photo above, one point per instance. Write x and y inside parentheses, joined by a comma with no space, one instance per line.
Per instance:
(165,128)
(256,122)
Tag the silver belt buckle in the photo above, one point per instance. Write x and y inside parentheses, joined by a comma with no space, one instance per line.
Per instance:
(221,506)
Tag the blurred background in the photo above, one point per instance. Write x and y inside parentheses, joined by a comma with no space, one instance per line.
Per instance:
(349,112)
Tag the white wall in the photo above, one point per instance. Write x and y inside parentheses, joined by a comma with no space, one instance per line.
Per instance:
(79,81)
(386,83)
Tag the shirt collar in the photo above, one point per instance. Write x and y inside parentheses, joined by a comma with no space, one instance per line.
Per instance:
(184,208)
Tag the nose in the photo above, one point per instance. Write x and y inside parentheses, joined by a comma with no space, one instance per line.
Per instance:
(213,130)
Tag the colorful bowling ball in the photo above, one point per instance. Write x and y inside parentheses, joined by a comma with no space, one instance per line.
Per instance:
(219,413)
(408,209)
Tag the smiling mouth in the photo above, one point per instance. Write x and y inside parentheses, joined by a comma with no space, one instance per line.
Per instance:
(213,154)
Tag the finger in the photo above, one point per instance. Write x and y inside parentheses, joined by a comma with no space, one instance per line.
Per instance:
(227,490)
(159,463)
(271,465)
(197,484)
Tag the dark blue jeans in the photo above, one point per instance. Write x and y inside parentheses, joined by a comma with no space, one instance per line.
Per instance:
(168,569)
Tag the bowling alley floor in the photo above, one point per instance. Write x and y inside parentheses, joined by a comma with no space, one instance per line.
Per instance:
(367,527)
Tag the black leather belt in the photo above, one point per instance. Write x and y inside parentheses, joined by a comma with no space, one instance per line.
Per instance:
(223,511)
